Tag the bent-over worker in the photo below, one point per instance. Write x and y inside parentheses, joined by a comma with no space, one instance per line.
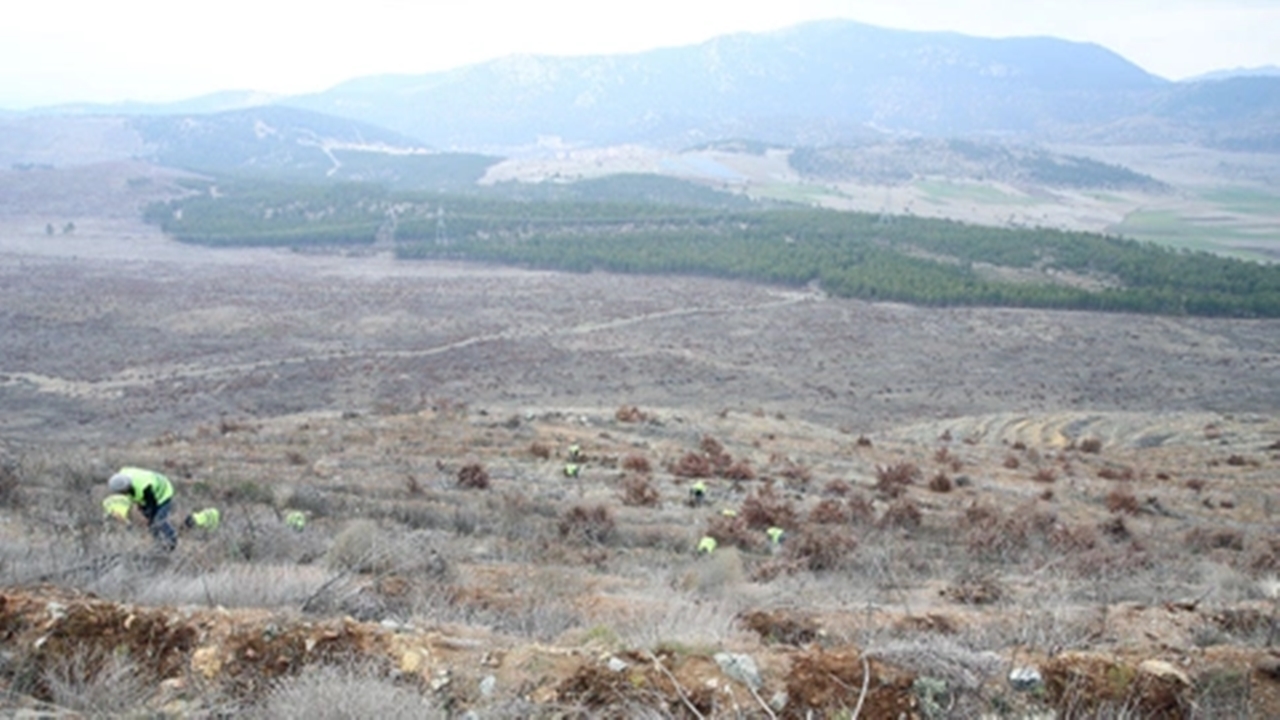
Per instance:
(153,494)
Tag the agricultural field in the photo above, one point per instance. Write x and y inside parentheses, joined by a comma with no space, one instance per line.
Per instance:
(1085,500)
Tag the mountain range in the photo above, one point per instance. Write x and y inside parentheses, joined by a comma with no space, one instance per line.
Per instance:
(816,84)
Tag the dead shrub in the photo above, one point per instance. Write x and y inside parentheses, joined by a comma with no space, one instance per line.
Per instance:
(1195,484)
(630,414)
(764,508)
(1123,474)
(942,455)
(540,450)
(733,532)
(941,483)
(974,589)
(863,441)
(861,511)
(838,488)
(830,512)
(1067,539)
(711,446)
(740,470)
(321,692)
(820,549)
(361,547)
(797,473)
(97,684)
(1264,555)
(989,533)
(587,525)
(473,476)
(1202,539)
(1123,501)
(1011,462)
(892,480)
(1116,530)
(1045,475)
(637,463)
(639,491)
(903,514)
(781,626)
(692,465)
(1090,445)
(1241,461)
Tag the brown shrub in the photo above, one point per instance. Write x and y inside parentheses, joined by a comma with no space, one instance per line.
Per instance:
(1195,484)
(1011,462)
(830,512)
(1110,473)
(941,483)
(587,525)
(630,414)
(820,549)
(903,514)
(988,533)
(733,531)
(740,470)
(838,488)
(864,441)
(763,509)
(692,465)
(796,472)
(473,476)
(711,446)
(1090,445)
(1202,539)
(638,491)
(978,589)
(892,480)
(1264,554)
(540,450)
(1122,501)
(1241,461)
(781,626)
(637,463)
(1045,475)
(861,511)
(1067,539)
(942,455)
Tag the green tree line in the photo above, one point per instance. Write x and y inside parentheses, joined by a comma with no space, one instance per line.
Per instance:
(907,259)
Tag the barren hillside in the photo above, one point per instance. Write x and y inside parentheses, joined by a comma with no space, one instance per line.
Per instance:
(964,492)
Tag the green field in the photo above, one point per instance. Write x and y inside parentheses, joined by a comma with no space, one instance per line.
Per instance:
(1171,228)
(1245,201)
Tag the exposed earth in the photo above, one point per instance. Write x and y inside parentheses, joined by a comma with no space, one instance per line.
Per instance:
(1089,495)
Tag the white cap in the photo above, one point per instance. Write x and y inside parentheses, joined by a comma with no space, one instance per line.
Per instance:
(119,483)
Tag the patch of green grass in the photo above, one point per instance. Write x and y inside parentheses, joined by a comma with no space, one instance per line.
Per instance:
(1246,201)
(937,190)
(1168,227)
(794,192)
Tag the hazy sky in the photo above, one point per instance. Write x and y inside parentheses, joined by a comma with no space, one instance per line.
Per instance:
(54,51)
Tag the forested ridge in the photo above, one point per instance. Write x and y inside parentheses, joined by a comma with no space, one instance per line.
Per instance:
(868,256)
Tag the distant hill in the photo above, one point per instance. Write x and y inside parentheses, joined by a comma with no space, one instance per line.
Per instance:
(273,141)
(1262,71)
(815,83)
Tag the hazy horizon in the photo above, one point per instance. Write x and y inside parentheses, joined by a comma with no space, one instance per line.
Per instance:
(72,51)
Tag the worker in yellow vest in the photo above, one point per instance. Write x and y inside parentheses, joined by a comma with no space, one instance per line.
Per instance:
(207,519)
(153,494)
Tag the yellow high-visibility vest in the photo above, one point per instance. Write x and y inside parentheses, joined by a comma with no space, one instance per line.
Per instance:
(142,479)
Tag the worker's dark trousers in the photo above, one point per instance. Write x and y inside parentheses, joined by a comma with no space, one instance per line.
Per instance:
(160,528)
